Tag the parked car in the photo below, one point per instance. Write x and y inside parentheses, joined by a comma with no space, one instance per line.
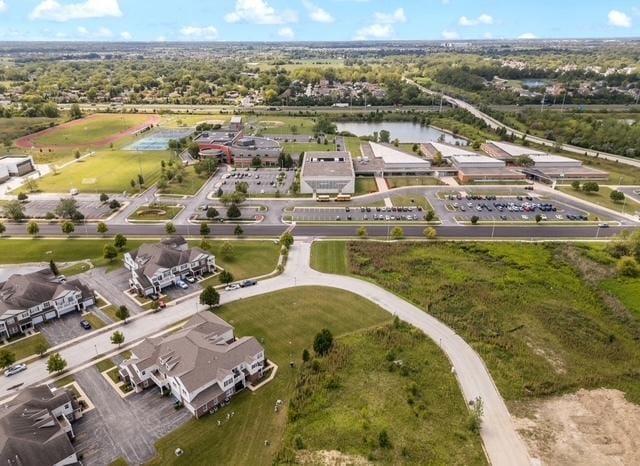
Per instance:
(190,279)
(15,369)
(246,283)
(85,324)
(233,286)
(603,225)
(182,284)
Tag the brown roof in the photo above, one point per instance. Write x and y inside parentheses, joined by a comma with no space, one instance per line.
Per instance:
(154,257)
(198,353)
(29,433)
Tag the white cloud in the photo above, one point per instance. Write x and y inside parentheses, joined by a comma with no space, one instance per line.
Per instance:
(397,16)
(374,31)
(619,19)
(527,35)
(3,6)
(199,33)
(259,12)
(101,33)
(53,10)
(450,35)
(317,14)
(482,19)
(286,33)
(161,39)
(126,35)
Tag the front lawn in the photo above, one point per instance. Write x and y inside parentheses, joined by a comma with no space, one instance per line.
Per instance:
(25,346)
(286,322)
(405,201)
(602,199)
(190,185)
(106,171)
(365,185)
(95,321)
(402,181)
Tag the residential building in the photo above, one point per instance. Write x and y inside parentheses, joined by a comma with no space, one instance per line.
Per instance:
(327,173)
(387,160)
(31,299)
(35,428)
(201,365)
(154,267)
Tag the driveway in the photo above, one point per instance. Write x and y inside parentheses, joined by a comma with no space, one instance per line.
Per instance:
(112,286)
(122,428)
(64,329)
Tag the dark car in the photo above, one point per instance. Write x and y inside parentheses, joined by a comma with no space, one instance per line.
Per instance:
(85,324)
(247,283)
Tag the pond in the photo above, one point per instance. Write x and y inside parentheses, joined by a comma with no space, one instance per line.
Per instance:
(405,132)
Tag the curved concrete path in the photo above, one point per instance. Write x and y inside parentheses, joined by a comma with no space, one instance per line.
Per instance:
(502,443)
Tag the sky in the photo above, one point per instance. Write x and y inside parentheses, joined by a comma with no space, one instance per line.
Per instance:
(315,20)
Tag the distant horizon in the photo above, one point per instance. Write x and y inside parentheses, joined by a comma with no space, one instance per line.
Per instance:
(314,20)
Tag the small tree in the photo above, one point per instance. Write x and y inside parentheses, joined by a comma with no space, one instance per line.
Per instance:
(576,185)
(628,267)
(14,210)
(122,313)
(306,356)
(590,187)
(226,277)
(474,220)
(323,342)
(23,197)
(238,231)
(538,218)
(204,229)
(33,228)
(120,241)
(102,228)
(56,363)
(234,211)
(54,268)
(286,240)
(617,196)
(430,215)
(383,439)
(68,228)
(104,197)
(41,348)
(227,251)
(6,358)
(109,252)
(170,228)
(212,212)
(430,233)
(397,233)
(362,232)
(117,338)
(114,204)
(3,228)
(475,417)
(210,297)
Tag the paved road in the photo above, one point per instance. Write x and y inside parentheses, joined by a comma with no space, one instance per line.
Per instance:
(502,443)
(493,123)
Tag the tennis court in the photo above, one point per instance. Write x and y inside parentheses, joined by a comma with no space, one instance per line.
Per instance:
(159,140)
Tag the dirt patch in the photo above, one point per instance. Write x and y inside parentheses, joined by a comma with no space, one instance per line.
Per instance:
(272,123)
(590,427)
(330,458)
(29,141)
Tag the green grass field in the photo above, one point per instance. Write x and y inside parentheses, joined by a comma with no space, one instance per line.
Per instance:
(626,290)
(90,131)
(365,185)
(179,120)
(190,185)
(530,310)
(286,323)
(602,198)
(250,258)
(25,347)
(16,127)
(277,124)
(107,171)
(407,201)
(360,391)
(296,149)
(402,181)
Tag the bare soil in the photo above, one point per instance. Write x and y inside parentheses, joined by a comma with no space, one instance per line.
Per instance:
(590,427)
(330,458)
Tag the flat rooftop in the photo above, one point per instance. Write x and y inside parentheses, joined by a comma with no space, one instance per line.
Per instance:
(327,164)
(515,150)
(448,150)
(475,159)
(393,156)
(216,137)
(549,158)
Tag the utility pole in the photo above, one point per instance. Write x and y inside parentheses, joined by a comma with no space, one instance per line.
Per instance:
(563,101)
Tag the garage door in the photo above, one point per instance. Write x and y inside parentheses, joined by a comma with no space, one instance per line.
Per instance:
(38,320)
(50,315)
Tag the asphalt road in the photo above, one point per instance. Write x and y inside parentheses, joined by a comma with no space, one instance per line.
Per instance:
(503,445)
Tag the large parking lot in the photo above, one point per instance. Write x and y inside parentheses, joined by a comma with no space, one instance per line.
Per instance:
(358,214)
(90,209)
(511,209)
(261,181)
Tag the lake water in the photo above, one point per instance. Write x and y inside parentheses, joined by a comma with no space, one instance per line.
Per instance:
(405,132)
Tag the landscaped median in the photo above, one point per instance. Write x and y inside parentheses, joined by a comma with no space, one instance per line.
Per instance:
(155,213)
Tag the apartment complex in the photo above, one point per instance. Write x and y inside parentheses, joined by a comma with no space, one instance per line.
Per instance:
(31,299)
(156,266)
(35,428)
(201,365)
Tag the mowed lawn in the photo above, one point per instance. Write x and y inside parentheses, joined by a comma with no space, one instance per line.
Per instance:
(90,130)
(365,185)
(25,347)
(190,185)
(529,311)
(402,181)
(106,171)
(286,323)
(295,149)
(602,198)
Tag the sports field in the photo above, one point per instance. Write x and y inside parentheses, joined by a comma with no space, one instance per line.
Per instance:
(93,131)
(107,171)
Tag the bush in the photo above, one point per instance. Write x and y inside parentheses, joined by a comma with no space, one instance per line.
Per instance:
(474,220)
(383,439)
(397,233)
(628,267)
(323,342)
